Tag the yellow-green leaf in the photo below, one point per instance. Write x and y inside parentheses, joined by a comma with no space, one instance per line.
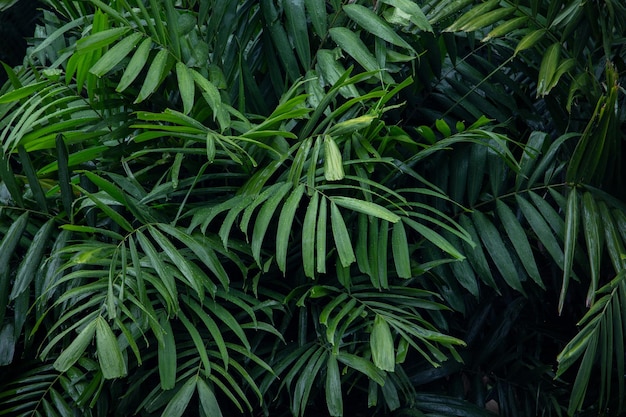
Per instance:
(529,40)
(333,161)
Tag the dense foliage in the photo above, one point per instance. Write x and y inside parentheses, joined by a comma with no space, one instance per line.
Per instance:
(309,207)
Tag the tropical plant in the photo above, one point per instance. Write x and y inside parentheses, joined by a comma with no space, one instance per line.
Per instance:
(310,207)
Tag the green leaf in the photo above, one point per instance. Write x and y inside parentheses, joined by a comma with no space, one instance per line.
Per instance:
(413,11)
(308,236)
(306,381)
(529,40)
(369,21)
(446,9)
(319,18)
(74,351)
(497,249)
(571,234)
(582,378)
(7,249)
(280,40)
(22,92)
(100,39)
(263,220)
(195,277)
(135,65)
(434,238)
(473,13)
(32,259)
(350,126)
(167,358)
(110,212)
(67,196)
(542,230)
(334,397)
(332,71)
(109,353)
(548,68)
(115,55)
(178,404)
(33,181)
(198,342)
(333,162)
(591,227)
(365,207)
(155,74)
(285,221)
(400,249)
(362,365)
(517,236)
(487,19)
(186,87)
(341,236)
(208,402)
(382,346)
(354,46)
(297,28)
(505,28)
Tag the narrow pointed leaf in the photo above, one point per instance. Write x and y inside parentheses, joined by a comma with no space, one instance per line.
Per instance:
(64,176)
(334,397)
(571,233)
(372,23)
(365,207)
(100,39)
(341,236)
(116,54)
(497,249)
(548,68)
(208,401)
(178,404)
(400,249)
(382,346)
(354,46)
(33,181)
(296,27)
(542,230)
(75,350)
(362,365)
(529,40)
(434,238)
(285,221)
(414,12)
(308,236)
(320,237)
(333,161)
(154,76)
(519,240)
(316,10)
(263,220)
(135,65)
(186,87)
(32,259)
(166,352)
(109,353)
